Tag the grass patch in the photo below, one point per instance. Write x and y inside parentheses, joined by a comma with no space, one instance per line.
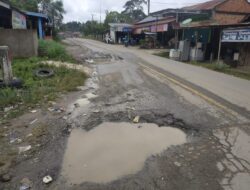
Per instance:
(54,51)
(162,54)
(223,68)
(39,90)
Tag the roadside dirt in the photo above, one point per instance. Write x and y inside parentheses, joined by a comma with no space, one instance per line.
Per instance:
(117,91)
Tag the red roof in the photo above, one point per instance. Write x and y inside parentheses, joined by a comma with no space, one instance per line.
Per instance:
(209,5)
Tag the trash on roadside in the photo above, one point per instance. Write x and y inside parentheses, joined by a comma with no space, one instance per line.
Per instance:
(25,184)
(29,135)
(59,110)
(136,119)
(24,149)
(47,179)
(94,74)
(7,109)
(89,60)
(33,111)
(32,122)
(56,109)
(52,103)
(90,95)
(130,108)
(51,109)
(77,105)
(96,111)
(18,140)
(5,178)
(177,164)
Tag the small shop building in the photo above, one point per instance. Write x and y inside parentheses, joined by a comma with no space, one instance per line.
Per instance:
(19,30)
(120,31)
(155,29)
(41,23)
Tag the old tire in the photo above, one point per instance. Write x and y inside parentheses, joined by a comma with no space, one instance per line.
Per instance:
(44,73)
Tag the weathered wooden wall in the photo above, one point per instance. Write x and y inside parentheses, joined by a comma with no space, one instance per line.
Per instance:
(244,58)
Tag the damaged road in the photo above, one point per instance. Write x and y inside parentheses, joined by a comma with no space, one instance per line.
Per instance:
(130,128)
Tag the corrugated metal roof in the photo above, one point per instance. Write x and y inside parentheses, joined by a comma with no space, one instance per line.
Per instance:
(211,23)
(34,14)
(204,23)
(120,25)
(159,20)
(209,5)
(149,19)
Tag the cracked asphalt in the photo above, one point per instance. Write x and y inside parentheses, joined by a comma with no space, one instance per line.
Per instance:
(216,155)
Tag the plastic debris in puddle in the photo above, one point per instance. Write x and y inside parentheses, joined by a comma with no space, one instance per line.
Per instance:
(113,150)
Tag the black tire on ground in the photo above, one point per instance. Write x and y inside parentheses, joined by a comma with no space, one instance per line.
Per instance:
(44,73)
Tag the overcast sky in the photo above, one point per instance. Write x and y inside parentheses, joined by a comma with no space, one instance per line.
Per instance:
(82,10)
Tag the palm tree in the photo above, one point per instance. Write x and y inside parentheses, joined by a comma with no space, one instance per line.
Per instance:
(54,10)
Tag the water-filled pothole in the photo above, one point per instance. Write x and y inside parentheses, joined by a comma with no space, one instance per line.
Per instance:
(113,150)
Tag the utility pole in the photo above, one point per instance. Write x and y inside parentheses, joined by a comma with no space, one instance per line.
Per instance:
(100,11)
(92,17)
(148,7)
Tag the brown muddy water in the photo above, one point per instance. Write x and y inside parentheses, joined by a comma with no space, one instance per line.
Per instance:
(113,150)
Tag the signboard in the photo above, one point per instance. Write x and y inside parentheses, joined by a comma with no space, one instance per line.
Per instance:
(18,20)
(160,28)
(241,35)
(127,29)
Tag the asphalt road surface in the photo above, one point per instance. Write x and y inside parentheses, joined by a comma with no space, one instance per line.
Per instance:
(142,122)
(211,108)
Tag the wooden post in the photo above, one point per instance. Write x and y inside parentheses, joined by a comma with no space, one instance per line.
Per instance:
(6,64)
(219,51)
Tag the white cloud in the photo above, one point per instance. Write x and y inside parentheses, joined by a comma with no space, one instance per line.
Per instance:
(82,10)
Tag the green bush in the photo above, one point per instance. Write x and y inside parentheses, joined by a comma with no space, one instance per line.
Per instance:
(221,67)
(53,50)
(8,96)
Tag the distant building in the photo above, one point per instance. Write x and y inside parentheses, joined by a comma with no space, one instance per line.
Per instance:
(119,31)
(11,17)
(204,25)
(41,23)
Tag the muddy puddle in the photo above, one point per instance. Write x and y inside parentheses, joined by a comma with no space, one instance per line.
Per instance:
(113,150)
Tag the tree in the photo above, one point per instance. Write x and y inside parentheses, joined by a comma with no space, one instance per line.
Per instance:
(72,26)
(93,28)
(115,17)
(27,5)
(134,9)
(54,10)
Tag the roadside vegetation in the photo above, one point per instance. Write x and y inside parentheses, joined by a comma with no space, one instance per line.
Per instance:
(39,90)
(163,54)
(223,68)
(54,50)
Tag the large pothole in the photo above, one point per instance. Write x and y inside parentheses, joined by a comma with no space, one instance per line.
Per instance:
(113,150)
